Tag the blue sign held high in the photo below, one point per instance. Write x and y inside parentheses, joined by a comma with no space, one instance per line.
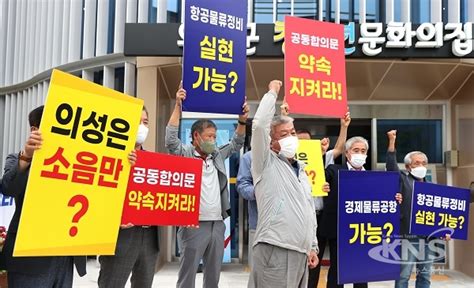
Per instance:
(215,55)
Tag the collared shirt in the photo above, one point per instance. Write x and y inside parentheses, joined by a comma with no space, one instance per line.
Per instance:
(210,205)
(246,189)
(349,166)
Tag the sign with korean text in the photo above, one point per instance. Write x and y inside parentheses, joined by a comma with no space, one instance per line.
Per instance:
(368,223)
(315,69)
(163,190)
(214,63)
(438,210)
(309,151)
(78,179)
(362,40)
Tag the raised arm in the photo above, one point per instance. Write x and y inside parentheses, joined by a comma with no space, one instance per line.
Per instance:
(391,159)
(341,140)
(261,129)
(172,141)
(244,178)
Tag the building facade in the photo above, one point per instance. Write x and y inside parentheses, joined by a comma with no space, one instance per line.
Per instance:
(427,96)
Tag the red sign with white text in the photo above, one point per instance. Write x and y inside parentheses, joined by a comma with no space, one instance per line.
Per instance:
(163,190)
(315,67)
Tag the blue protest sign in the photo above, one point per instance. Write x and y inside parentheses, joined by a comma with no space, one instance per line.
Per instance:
(215,55)
(436,209)
(368,223)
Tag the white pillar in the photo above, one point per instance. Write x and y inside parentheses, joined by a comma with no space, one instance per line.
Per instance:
(18,36)
(49,35)
(320,10)
(129,79)
(3,39)
(143,11)
(162,11)
(389,11)
(362,11)
(119,31)
(88,75)
(57,32)
(102,27)
(132,11)
(436,14)
(470,11)
(337,11)
(88,47)
(406,17)
(65,32)
(454,11)
(75,27)
(109,77)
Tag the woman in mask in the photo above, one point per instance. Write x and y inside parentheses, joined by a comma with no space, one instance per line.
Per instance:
(137,246)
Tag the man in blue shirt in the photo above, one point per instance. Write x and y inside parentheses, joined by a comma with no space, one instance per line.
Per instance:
(246,190)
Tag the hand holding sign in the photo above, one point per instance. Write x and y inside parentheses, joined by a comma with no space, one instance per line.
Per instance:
(180,95)
(284,108)
(245,112)
(32,144)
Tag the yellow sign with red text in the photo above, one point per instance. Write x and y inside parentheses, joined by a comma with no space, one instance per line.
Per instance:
(78,178)
(309,151)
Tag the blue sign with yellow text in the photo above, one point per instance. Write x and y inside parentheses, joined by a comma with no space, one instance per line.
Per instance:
(368,226)
(215,55)
(438,210)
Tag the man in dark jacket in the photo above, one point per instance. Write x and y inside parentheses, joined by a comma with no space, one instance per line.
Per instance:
(415,164)
(26,272)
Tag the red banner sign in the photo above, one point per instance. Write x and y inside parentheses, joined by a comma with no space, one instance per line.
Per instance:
(315,68)
(163,190)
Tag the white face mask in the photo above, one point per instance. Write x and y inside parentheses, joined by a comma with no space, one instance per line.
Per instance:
(358,160)
(418,172)
(142,133)
(288,146)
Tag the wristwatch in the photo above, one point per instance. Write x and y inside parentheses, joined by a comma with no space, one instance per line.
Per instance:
(242,123)
(22,156)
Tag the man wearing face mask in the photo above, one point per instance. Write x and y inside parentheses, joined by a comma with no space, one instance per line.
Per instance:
(206,241)
(37,272)
(356,152)
(415,164)
(285,240)
(137,247)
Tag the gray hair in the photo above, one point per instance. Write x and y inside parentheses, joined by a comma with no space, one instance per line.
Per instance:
(408,157)
(279,120)
(354,140)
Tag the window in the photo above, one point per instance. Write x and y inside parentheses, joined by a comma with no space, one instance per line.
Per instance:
(397,10)
(373,10)
(119,79)
(465,5)
(306,9)
(99,77)
(152,11)
(420,11)
(174,11)
(263,11)
(420,135)
(111,28)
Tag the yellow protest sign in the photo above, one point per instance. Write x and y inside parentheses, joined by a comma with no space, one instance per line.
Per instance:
(78,179)
(309,151)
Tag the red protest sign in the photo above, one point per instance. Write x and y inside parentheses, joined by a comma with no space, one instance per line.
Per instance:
(315,68)
(163,190)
